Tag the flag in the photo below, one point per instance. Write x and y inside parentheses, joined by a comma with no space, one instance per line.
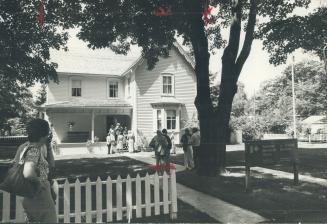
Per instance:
(207,12)
(41,13)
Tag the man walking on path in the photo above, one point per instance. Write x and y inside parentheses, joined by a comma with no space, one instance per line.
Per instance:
(187,148)
(159,144)
(167,152)
(195,141)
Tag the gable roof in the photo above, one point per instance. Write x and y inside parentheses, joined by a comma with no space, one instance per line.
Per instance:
(315,120)
(82,60)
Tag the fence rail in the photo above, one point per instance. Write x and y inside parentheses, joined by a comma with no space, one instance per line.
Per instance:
(104,201)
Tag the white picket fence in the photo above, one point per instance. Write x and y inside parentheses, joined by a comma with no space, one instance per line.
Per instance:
(124,199)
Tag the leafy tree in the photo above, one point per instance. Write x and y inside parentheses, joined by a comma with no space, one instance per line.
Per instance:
(274,103)
(16,101)
(117,24)
(24,44)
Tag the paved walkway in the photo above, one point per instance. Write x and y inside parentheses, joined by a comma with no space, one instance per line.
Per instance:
(220,210)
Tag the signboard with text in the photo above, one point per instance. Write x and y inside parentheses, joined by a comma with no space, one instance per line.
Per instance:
(268,152)
(271,152)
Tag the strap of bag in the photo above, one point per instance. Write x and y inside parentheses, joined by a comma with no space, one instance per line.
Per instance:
(23,154)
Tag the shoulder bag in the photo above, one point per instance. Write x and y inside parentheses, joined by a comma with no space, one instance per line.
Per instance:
(16,183)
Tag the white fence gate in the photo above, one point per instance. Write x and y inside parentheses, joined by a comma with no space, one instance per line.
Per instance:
(105,200)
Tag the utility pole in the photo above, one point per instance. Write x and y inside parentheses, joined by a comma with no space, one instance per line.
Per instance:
(293,96)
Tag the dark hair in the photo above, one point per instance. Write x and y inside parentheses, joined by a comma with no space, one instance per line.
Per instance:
(195,129)
(36,129)
(159,132)
(164,131)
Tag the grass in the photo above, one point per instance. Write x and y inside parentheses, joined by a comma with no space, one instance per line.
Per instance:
(274,198)
(114,166)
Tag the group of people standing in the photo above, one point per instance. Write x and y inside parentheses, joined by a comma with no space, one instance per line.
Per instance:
(120,139)
(191,144)
(163,146)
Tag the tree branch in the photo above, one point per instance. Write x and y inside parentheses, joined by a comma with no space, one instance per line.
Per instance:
(249,36)
(235,30)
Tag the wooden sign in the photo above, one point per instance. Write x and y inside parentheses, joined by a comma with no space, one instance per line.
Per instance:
(270,152)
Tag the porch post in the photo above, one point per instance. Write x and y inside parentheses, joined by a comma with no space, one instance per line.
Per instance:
(92,131)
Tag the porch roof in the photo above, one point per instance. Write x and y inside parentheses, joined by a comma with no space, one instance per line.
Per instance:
(89,105)
(166,101)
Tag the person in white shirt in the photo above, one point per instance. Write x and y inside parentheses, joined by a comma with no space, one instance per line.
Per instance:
(195,141)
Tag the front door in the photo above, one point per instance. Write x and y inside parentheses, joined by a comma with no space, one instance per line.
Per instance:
(123,120)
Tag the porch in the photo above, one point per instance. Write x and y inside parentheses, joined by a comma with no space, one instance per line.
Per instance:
(79,123)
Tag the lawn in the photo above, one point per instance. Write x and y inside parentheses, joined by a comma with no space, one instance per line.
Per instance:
(114,166)
(274,198)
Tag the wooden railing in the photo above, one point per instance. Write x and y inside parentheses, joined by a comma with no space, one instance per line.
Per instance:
(105,200)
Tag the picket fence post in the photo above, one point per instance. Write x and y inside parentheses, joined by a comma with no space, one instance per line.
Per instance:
(19,210)
(56,190)
(156,194)
(138,196)
(99,200)
(109,199)
(88,198)
(66,202)
(173,196)
(129,197)
(147,196)
(78,218)
(5,207)
(119,195)
(165,193)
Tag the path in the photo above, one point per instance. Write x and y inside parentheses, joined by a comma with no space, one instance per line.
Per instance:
(220,210)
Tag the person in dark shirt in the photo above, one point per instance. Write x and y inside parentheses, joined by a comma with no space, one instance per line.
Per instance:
(167,151)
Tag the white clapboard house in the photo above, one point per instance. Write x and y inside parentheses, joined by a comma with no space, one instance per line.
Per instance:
(98,88)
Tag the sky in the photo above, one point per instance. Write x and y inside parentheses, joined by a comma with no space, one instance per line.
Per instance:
(257,68)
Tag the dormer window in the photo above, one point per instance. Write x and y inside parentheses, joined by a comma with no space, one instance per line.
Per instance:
(167,84)
(76,88)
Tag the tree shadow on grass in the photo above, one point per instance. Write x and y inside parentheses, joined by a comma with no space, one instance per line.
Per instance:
(274,198)
(102,167)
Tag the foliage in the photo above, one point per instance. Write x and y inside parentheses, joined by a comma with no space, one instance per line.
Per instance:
(283,35)
(25,45)
(274,100)
(16,106)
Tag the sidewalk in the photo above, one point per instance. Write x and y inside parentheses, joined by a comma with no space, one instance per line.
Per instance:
(219,210)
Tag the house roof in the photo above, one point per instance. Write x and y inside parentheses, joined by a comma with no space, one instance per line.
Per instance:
(315,120)
(87,103)
(82,60)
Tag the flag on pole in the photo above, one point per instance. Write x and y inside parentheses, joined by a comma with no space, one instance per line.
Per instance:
(41,13)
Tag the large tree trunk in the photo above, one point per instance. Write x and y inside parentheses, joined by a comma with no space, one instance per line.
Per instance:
(206,115)
(214,125)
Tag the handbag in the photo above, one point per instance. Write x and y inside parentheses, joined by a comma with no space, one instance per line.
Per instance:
(16,183)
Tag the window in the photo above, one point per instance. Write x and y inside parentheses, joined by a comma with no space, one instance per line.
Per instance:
(167,87)
(76,88)
(171,119)
(128,86)
(159,122)
(113,89)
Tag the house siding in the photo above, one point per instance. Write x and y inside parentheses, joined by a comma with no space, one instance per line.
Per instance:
(93,87)
(149,89)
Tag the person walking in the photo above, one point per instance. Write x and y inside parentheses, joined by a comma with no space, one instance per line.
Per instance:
(131,140)
(41,207)
(166,157)
(187,148)
(159,144)
(195,141)
(120,140)
(173,147)
(111,139)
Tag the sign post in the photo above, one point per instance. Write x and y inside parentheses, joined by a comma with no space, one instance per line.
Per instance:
(270,152)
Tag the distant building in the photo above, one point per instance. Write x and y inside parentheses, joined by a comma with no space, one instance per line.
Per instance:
(317,124)
(95,92)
